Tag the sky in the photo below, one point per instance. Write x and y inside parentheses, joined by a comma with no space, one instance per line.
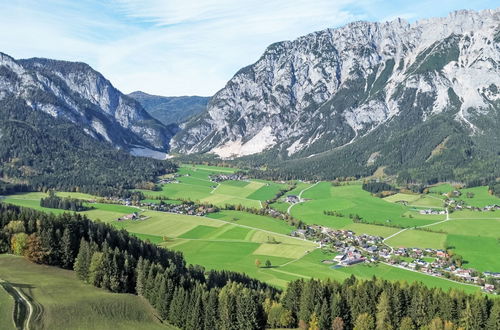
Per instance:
(184,47)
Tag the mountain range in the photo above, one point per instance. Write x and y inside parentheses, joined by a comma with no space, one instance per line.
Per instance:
(419,99)
(363,97)
(171,110)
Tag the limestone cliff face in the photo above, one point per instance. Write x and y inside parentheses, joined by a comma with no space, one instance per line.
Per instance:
(328,89)
(76,92)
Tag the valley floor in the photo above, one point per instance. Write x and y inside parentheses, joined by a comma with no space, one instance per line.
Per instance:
(235,240)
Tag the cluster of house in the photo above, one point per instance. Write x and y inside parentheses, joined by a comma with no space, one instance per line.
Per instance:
(224,177)
(431,211)
(349,256)
(168,180)
(354,249)
(486,208)
(184,208)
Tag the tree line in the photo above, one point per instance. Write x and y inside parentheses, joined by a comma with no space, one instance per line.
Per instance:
(191,297)
(64,203)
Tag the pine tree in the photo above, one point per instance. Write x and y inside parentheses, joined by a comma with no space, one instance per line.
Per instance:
(227,307)
(383,312)
(176,307)
(95,269)
(140,276)
(407,324)
(324,315)
(314,323)
(67,249)
(195,313)
(211,315)
(494,319)
(82,262)
(364,322)
(161,301)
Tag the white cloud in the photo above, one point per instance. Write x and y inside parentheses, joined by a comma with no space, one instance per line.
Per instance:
(173,47)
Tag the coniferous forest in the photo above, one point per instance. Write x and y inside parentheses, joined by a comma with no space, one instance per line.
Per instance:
(41,153)
(63,203)
(191,297)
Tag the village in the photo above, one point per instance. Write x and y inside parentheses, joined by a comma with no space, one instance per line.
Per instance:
(354,249)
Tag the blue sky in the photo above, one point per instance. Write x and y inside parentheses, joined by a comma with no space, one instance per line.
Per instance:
(184,47)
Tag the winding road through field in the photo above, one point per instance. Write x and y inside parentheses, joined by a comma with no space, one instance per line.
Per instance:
(300,197)
(23,309)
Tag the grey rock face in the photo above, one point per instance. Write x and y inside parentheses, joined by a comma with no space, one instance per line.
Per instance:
(76,92)
(328,89)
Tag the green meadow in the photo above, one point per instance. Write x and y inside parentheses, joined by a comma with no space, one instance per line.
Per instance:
(419,239)
(194,184)
(351,199)
(234,240)
(61,301)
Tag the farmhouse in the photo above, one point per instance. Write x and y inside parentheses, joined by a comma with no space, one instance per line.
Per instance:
(132,216)
(292,199)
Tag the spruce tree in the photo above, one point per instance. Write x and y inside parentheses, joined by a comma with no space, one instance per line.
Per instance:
(82,262)
(383,320)
(364,322)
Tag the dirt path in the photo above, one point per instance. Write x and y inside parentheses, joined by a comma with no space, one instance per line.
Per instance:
(23,309)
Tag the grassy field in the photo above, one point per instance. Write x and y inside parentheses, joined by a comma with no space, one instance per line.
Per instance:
(6,310)
(442,188)
(67,303)
(351,199)
(362,228)
(481,197)
(481,253)
(234,240)
(253,220)
(194,184)
(419,239)
(100,211)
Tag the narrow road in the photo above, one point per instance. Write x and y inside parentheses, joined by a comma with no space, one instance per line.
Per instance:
(300,196)
(431,224)
(22,305)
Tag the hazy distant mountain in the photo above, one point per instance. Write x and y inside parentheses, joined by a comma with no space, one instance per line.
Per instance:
(171,110)
(81,95)
(364,96)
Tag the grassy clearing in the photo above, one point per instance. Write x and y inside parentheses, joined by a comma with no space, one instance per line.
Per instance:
(483,228)
(481,197)
(6,310)
(351,199)
(481,253)
(402,197)
(254,220)
(467,214)
(361,228)
(442,188)
(209,168)
(418,238)
(267,192)
(429,201)
(165,224)
(86,307)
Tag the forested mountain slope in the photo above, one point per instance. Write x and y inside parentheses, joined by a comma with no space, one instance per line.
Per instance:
(45,152)
(171,109)
(419,99)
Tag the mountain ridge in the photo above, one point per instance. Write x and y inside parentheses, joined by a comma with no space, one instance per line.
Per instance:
(324,92)
(171,109)
(77,93)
